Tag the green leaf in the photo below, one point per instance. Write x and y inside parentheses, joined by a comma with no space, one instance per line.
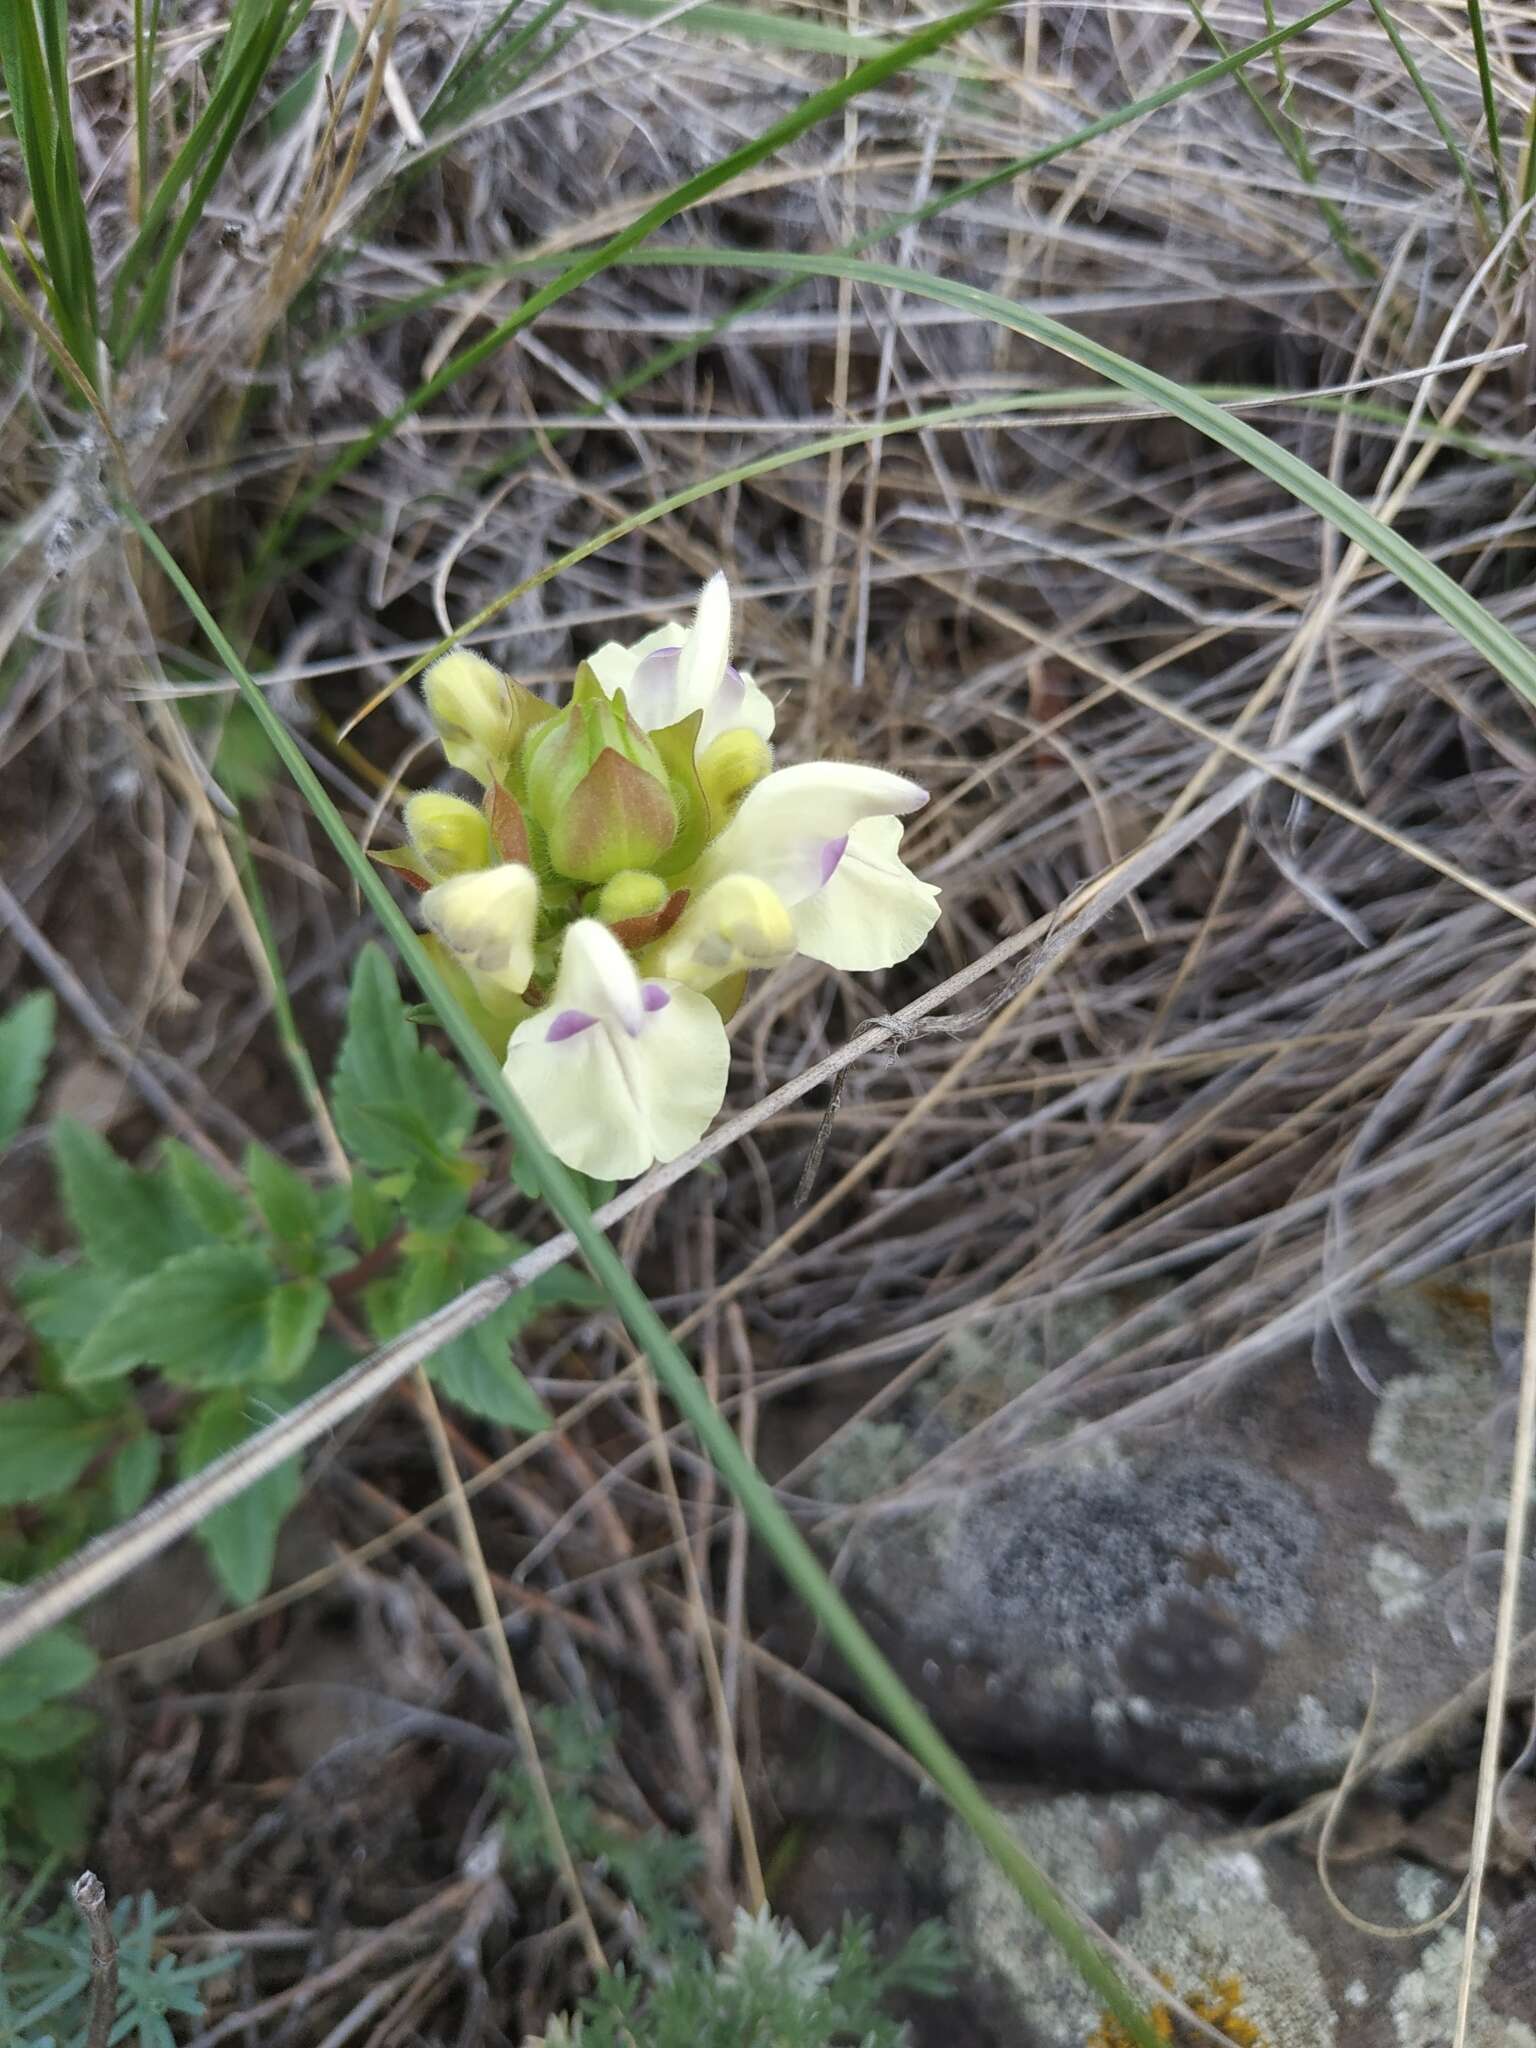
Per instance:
(54,1529)
(439,1192)
(476,1369)
(213,1208)
(42,1670)
(399,1106)
(373,1212)
(241,1537)
(567,1287)
(46,1442)
(202,1318)
(45,1734)
(676,745)
(63,1302)
(245,766)
(55,1801)
(127,1222)
(26,1038)
(132,1474)
(597,1192)
(295,1312)
(298,1214)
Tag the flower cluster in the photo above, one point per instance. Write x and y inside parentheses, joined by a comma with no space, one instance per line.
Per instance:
(635,857)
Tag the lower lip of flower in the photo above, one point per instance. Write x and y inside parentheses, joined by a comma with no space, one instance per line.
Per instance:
(831,854)
(568,1023)
(654,996)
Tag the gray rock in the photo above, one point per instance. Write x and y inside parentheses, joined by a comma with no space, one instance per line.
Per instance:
(1203,1606)
(1245,1936)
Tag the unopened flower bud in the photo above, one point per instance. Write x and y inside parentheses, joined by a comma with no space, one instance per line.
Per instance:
(631,894)
(449,836)
(487,921)
(598,787)
(482,716)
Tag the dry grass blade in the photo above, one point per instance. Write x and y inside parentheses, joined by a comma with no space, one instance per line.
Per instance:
(506,1670)
(1522,1468)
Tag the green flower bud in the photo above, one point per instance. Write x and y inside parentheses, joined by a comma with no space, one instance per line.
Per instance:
(631,894)
(448,835)
(482,716)
(598,787)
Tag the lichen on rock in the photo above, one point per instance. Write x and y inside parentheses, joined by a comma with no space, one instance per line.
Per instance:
(1423,2004)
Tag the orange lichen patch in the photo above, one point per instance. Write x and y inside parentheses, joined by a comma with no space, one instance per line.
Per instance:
(1218,2002)
(1475,1302)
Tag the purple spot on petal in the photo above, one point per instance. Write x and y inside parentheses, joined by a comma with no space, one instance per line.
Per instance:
(654,996)
(567,1024)
(831,854)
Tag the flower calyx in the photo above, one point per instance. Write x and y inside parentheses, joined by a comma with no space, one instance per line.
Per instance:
(597,787)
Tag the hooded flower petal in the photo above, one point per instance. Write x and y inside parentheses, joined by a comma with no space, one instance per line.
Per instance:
(791,827)
(614,664)
(734,927)
(823,836)
(871,911)
(487,920)
(705,654)
(673,672)
(617,1072)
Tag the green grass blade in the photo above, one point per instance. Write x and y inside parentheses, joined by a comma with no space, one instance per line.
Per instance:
(286,1024)
(1394,420)
(816,107)
(1436,113)
(657,365)
(965,414)
(1493,640)
(794,1556)
(33,64)
(486,71)
(146,36)
(777,28)
(476,83)
(77,279)
(1288,134)
(26,315)
(256,39)
(1490,106)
